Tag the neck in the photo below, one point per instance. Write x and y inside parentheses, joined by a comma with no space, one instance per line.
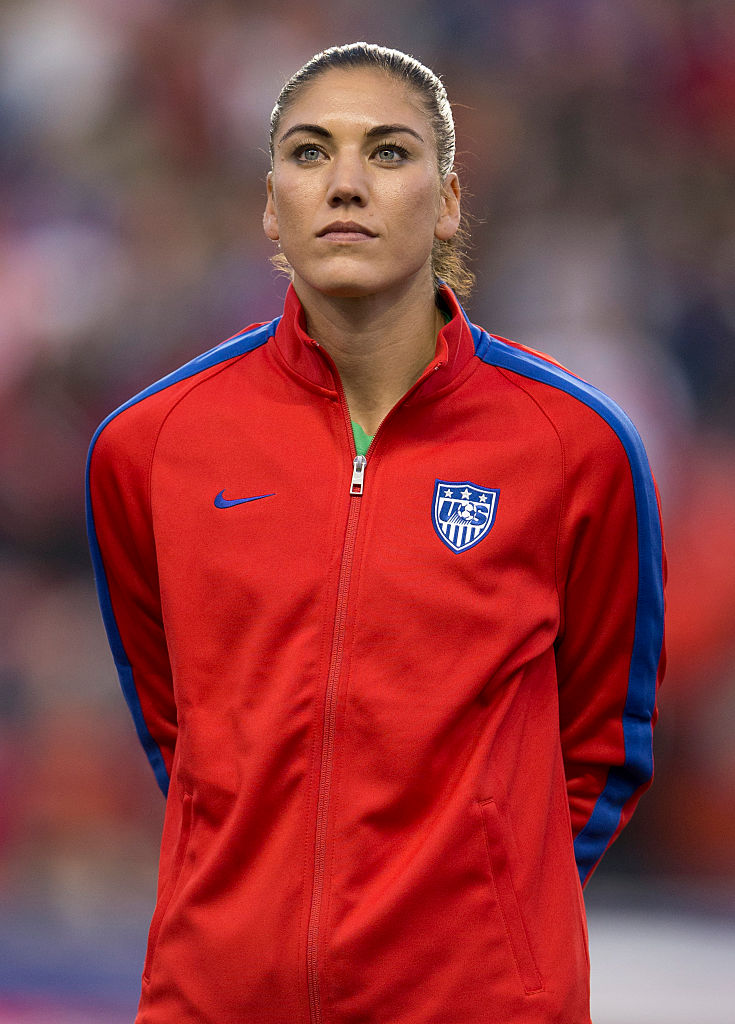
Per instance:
(379,343)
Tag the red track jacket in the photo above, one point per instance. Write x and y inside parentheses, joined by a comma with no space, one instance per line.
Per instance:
(400,706)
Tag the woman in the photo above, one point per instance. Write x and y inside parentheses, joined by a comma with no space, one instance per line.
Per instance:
(385,597)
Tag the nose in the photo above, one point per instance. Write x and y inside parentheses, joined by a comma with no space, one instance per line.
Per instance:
(348,181)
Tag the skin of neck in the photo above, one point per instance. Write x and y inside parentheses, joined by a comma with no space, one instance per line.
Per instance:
(380,343)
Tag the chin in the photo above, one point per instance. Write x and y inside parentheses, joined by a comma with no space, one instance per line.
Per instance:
(346,284)
(348,289)
(355,282)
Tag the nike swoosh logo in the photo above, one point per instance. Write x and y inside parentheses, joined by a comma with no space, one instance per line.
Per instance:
(221,502)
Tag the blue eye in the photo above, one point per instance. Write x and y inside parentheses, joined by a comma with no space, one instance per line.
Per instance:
(307,153)
(391,153)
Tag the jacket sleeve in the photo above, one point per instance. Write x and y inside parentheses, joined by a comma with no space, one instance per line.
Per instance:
(124,558)
(610,656)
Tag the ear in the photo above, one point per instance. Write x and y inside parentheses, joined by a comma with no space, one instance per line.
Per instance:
(447,220)
(270,218)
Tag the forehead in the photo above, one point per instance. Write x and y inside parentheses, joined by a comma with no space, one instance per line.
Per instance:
(357,97)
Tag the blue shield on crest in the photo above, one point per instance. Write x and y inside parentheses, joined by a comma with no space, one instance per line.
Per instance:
(463,513)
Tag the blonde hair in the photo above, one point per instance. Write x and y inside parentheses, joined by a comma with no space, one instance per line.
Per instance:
(448,258)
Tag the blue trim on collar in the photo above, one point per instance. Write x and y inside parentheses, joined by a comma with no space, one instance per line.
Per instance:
(235,346)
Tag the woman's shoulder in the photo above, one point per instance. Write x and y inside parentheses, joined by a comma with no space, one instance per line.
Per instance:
(142,414)
(589,423)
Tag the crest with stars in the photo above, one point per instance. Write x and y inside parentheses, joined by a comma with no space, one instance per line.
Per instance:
(463,513)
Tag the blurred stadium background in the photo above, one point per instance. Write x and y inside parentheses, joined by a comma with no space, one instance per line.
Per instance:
(597,148)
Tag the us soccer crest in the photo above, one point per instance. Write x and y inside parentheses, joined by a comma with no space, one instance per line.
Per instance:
(463,513)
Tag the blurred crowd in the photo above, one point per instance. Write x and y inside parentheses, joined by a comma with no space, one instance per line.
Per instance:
(596,147)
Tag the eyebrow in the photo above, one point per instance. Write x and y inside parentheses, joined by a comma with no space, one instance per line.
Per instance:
(380,129)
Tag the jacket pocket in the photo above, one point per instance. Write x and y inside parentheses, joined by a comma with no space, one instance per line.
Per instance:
(506,897)
(171,885)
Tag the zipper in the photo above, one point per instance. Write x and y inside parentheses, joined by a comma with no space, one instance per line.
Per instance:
(357,486)
(358,474)
(357,489)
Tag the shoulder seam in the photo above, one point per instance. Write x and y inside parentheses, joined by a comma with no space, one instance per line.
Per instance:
(553,425)
(198,380)
(558,377)
(208,361)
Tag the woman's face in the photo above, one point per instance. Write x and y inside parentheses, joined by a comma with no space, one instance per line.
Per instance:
(354,195)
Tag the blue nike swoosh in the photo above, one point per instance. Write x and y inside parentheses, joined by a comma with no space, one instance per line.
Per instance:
(222,502)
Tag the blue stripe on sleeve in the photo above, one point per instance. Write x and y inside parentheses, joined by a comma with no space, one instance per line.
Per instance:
(238,345)
(637,769)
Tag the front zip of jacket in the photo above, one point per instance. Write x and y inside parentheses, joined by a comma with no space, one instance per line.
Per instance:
(357,487)
(400,704)
(345,575)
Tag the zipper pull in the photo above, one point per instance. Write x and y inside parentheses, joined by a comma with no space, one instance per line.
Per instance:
(358,474)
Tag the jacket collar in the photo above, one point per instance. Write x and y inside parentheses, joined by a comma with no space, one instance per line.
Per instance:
(306,358)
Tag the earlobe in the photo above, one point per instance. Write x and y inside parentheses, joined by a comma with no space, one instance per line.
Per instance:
(270,218)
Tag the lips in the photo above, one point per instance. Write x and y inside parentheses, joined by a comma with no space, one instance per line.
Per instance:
(346,230)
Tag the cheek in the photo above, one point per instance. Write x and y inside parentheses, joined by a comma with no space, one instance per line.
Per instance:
(418,201)
(293,200)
